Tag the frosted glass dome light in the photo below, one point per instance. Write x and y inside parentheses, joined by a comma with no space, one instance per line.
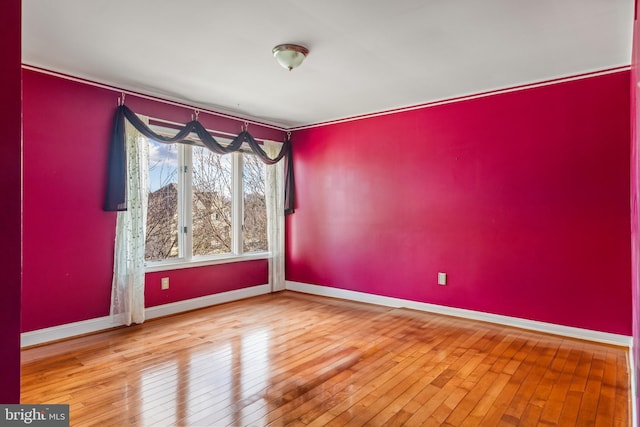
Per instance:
(290,55)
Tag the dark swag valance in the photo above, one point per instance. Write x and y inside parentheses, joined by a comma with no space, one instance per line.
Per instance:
(116,198)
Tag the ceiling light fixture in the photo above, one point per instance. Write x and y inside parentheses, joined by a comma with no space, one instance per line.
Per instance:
(290,55)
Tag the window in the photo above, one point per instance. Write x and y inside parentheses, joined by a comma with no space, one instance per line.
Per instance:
(203,206)
(254,236)
(162,209)
(211,202)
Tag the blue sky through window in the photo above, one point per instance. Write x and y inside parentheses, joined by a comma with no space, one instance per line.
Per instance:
(163,165)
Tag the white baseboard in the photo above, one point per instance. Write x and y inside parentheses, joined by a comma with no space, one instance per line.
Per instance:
(98,324)
(533,325)
(206,301)
(69,330)
(65,331)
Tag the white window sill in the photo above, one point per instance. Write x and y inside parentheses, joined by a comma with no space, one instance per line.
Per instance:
(177,264)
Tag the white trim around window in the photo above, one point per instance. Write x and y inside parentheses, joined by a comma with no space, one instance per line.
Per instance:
(186,258)
(204,261)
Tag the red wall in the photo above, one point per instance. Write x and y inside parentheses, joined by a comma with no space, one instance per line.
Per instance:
(10,220)
(200,281)
(522,198)
(635,198)
(68,239)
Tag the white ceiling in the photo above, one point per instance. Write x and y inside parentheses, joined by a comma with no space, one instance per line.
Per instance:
(365,55)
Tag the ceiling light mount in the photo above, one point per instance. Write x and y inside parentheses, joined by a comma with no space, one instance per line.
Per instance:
(290,55)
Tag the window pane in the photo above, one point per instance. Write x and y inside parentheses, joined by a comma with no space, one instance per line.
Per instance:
(162,213)
(211,202)
(254,237)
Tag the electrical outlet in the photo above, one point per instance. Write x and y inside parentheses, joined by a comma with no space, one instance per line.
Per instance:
(442,279)
(164,283)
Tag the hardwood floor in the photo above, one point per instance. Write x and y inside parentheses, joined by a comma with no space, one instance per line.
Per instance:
(294,359)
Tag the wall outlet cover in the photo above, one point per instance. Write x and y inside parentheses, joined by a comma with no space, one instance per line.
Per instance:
(442,279)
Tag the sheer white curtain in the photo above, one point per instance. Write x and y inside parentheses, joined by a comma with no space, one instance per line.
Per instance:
(127,288)
(275,217)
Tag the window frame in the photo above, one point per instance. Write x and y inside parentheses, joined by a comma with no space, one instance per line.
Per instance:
(185,258)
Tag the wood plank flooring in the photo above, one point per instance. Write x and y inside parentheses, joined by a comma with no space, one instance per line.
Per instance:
(294,359)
